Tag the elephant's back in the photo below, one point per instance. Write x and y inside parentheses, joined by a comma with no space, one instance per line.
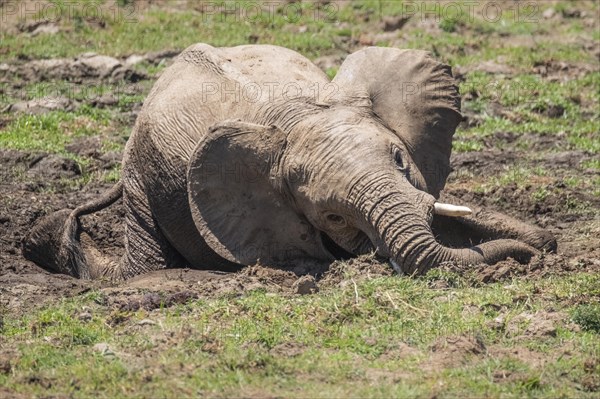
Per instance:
(276,70)
(206,85)
(235,73)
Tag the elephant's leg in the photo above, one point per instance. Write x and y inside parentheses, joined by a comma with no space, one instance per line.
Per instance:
(485,225)
(146,248)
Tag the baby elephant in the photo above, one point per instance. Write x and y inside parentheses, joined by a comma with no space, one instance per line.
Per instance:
(250,154)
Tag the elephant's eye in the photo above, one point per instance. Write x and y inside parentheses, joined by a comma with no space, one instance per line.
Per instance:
(335,220)
(398,159)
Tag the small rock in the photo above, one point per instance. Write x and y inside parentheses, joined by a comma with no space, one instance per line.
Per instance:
(305,285)
(391,24)
(96,65)
(146,322)
(549,13)
(39,70)
(42,105)
(134,59)
(85,316)
(46,29)
(104,349)
(105,100)
(492,67)
(497,323)
(88,66)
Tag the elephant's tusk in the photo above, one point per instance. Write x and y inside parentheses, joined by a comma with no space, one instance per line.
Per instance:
(451,210)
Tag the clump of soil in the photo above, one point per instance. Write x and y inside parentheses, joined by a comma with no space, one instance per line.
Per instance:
(363,267)
(85,68)
(289,349)
(541,266)
(453,351)
(42,105)
(53,167)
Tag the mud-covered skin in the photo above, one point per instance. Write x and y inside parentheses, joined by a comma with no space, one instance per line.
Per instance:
(215,179)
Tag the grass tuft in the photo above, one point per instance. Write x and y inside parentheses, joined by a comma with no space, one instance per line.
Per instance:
(588,317)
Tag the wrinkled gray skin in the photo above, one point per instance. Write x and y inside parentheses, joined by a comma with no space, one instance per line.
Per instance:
(250,154)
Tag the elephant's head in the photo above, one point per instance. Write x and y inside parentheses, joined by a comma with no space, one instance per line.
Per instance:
(357,174)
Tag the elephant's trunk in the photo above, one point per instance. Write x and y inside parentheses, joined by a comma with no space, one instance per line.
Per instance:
(401,225)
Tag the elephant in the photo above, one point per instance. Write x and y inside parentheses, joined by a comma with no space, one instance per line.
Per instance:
(251,154)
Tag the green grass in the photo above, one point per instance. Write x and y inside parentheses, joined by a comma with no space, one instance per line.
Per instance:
(459,145)
(581,134)
(305,27)
(538,185)
(344,340)
(157,29)
(588,317)
(592,164)
(527,98)
(52,131)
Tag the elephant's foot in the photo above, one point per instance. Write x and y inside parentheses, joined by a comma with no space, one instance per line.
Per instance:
(100,266)
(57,244)
(539,239)
(53,245)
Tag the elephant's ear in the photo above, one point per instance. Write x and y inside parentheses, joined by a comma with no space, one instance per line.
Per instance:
(236,200)
(414,95)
